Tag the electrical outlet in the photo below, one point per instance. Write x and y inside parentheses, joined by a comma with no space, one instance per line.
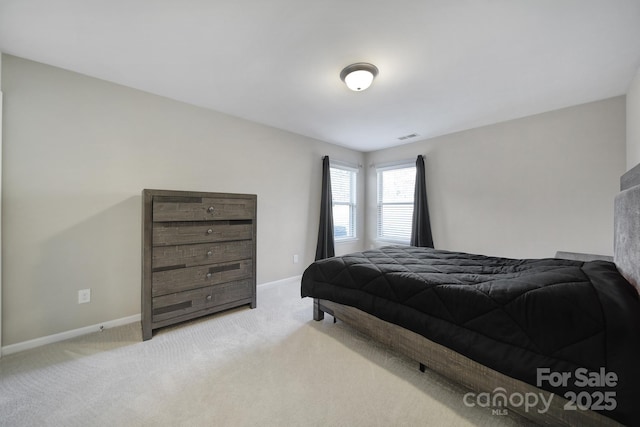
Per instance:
(84,296)
(295,259)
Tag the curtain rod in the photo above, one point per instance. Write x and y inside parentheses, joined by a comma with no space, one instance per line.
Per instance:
(396,162)
(343,163)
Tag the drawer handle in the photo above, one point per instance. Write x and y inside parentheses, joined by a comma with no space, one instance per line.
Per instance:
(208,297)
(209,231)
(209,275)
(210,209)
(209,253)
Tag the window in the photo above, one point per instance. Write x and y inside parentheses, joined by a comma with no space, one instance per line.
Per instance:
(343,190)
(396,187)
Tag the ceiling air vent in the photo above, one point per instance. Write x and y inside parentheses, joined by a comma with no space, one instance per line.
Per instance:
(413,135)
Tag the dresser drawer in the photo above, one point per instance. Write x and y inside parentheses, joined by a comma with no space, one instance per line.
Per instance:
(182,303)
(183,279)
(180,233)
(170,257)
(201,209)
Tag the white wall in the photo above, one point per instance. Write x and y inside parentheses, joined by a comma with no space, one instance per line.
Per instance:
(523,188)
(1,121)
(633,122)
(77,153)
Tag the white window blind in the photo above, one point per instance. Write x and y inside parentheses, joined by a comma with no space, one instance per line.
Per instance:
(343,189)
(396,187)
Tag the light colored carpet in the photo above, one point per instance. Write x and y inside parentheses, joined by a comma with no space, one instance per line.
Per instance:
(271,366)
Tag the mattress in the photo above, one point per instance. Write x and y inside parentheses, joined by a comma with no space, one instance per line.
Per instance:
(525,318)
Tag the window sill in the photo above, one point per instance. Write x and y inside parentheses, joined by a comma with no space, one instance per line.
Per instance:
(345,240)
(392,242)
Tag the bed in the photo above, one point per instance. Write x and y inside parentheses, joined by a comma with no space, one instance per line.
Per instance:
(555,340)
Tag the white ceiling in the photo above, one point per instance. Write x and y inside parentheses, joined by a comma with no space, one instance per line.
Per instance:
(445,65)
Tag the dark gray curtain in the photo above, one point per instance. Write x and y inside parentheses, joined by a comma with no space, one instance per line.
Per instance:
(325,248)
(421,225)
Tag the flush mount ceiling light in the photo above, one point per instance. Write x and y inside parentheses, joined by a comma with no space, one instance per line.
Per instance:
(359,76)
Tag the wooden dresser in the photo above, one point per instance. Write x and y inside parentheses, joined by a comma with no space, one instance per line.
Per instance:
(198,255)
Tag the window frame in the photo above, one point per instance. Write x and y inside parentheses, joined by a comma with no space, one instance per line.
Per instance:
(408,164)
(352,203)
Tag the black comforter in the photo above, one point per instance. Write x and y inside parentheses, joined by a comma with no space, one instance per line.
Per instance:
(511,315)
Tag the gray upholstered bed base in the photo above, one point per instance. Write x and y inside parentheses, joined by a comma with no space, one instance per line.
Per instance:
(627,227)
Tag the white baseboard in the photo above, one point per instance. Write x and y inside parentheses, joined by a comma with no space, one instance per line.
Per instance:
(26,345)
(281,281)
(37,342)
